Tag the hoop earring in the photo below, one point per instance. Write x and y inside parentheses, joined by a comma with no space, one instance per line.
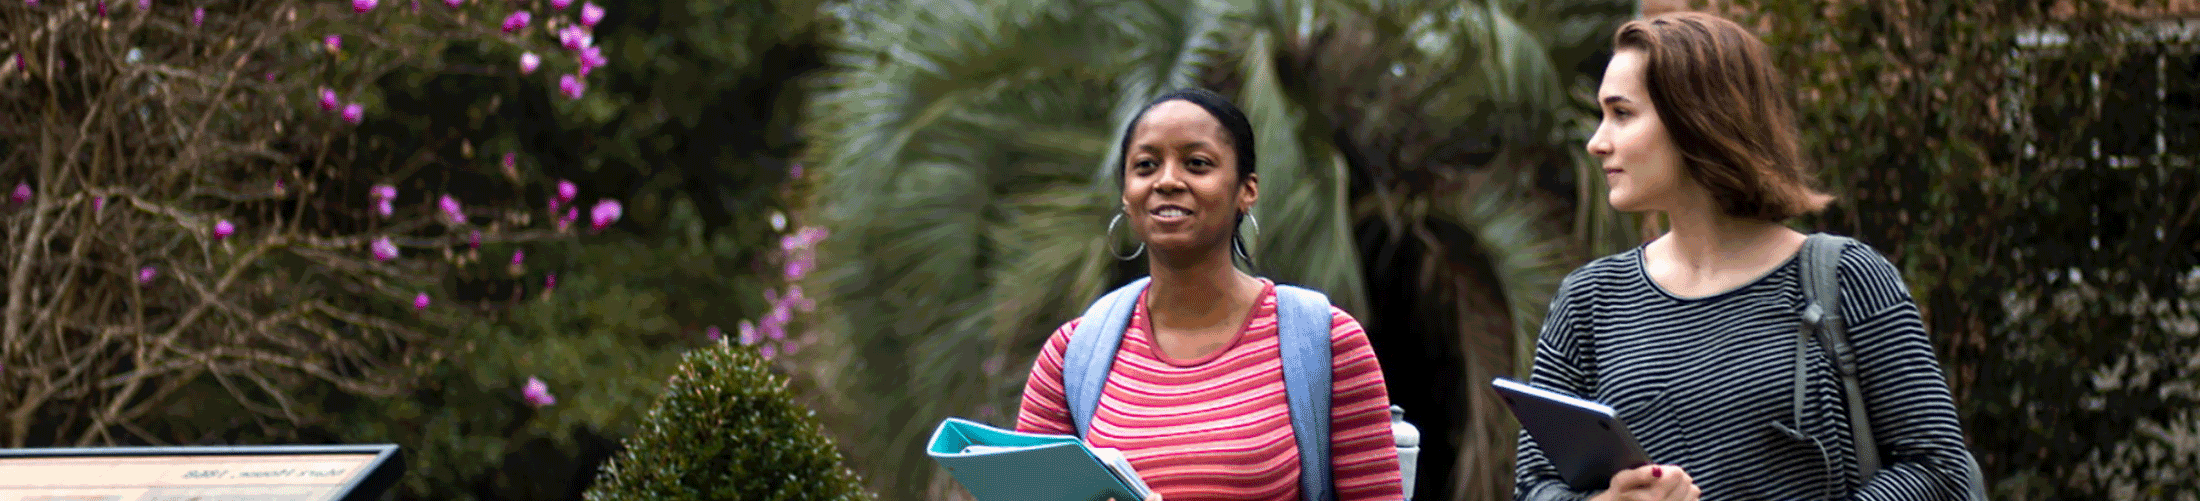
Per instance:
(1237,238)
(1111,240)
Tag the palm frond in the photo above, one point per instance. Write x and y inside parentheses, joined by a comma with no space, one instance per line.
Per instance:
(1306,234)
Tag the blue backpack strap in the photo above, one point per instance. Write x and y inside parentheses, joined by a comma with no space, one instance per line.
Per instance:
(1302,317)
(1091,352)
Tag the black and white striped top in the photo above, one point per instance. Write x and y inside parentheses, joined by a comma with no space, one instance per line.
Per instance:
(1700,380)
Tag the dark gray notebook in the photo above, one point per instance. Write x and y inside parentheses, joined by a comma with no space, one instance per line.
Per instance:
(1585,440)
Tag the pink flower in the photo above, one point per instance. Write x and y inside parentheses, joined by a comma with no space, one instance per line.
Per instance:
(560,4)
(328,99)
(354,113)
(383,249)
(280,187)
(519,256)
(511,160)
(775,323)
(22,193)
(102,8)
(537,393)
(768,351)
(571,86)
(33,3)
(527,64)
(748,332)
(99,204)
(591,14)
(362,6)
(334,42)
(603,214)
(592,58)
(574,37)
(269,76)
(566,191)
(382,195)
(222,229)
(474,241)
(145,4)
(146,274)
(420,302)
(453,3)
(516,21)
(712,332)
(795,172)
(799,266)
(549,282)
(451,210)
(198,17)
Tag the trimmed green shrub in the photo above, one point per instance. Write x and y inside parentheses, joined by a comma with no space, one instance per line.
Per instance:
(728,427)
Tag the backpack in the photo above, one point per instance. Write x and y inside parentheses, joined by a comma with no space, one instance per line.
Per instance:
(1822,315)
(1303,324)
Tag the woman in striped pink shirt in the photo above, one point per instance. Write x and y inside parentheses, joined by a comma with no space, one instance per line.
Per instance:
(1196,397)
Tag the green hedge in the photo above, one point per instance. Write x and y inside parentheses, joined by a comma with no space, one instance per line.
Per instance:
(728,427)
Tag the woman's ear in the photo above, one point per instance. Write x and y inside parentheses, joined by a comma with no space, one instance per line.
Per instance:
(1248,193)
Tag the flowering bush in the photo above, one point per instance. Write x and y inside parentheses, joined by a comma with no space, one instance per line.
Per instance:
(246,253)
(448,104)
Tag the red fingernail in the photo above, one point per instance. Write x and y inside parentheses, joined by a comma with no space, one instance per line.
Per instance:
(1655,472)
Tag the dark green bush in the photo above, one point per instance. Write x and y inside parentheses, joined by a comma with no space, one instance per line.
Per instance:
(727,427)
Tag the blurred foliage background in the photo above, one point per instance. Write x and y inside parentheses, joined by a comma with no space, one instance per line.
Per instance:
(896,201)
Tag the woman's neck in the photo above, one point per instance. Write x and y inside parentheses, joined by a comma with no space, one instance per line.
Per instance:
(1198,294)
(1705,250)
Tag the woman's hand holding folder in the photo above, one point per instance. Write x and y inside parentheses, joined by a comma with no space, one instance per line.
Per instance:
(1651,482)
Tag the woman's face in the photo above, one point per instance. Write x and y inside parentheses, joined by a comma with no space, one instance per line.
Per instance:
(1181,190)
(1642,165)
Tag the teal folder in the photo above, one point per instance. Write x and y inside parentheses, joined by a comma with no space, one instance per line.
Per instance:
(1014,466)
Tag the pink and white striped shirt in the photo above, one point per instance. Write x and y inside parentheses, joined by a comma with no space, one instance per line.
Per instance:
(1219,427)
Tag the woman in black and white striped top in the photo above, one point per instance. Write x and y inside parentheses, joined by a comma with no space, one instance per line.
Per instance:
(1693,336)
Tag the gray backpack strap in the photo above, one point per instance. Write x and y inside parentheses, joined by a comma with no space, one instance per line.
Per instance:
(1091,352)
(1822,297)
(1302,322)
(1821,290)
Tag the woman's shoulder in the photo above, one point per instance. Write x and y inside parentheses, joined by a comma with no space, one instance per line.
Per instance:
(1615,270)
(1059,340)
(1860,257)
(1864,270)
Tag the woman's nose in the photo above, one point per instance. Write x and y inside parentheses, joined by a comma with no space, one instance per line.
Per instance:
(1171,179)
(1598,146)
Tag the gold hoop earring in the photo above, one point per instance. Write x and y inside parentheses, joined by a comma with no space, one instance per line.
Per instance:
(1111,240)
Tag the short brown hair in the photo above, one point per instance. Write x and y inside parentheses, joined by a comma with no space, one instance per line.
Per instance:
(1728,110)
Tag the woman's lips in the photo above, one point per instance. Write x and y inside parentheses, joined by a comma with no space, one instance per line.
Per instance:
(1170,213)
